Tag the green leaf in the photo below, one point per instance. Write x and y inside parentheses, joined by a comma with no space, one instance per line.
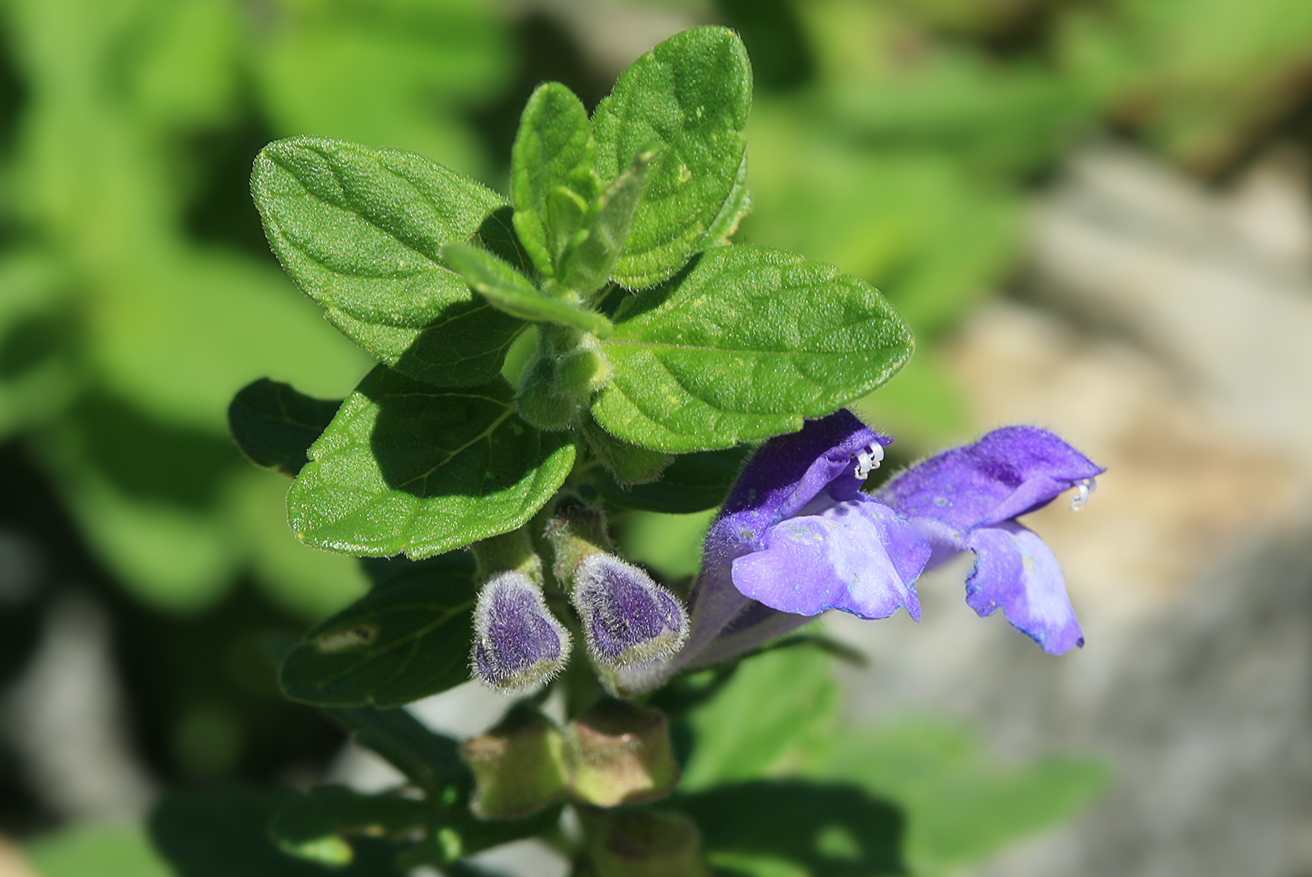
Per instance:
(591,255)
(274,425)
(409,467)
(960,806)
(400,642)
(771,708)
(689,98)
(692,483)
(553,149)
(797,828)
(224,832)
(360,230)
(104,850)
(431,761)
(511,292)
(337,810)
(745,345)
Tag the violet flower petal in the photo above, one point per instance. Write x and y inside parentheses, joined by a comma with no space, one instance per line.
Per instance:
(1005,474)
(1015,572)
(858,556)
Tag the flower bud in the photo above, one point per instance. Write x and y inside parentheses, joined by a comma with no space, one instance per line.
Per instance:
(645,843)
(518,643)
(518,766)
(627,618)
(620,753)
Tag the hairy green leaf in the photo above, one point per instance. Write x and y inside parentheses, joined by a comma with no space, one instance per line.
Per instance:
(360,229)
(689,97)
(511,292)
(274,425)
(400,642)
(553,149)
(743,346)
(409,467)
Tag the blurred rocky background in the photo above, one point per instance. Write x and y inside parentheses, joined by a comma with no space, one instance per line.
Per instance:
(1096,215)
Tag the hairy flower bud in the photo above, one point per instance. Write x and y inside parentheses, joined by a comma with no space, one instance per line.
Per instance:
(518,643)
(627,618)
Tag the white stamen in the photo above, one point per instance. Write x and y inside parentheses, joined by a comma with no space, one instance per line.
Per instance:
(867,459)
(1082,491)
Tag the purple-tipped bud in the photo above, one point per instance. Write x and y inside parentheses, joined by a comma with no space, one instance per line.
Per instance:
(518,643)
(627,617)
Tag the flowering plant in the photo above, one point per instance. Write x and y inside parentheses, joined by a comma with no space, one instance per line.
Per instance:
(595,343)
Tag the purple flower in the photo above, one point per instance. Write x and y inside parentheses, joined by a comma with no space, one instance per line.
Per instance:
(518,643)
(797,537)
(968,499)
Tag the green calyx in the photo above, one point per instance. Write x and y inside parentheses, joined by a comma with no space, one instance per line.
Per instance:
(559,382)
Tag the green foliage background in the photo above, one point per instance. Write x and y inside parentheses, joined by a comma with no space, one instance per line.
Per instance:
(895,139)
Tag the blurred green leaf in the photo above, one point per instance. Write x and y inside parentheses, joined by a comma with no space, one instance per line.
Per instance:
(309,583)
(360,230)
(669,544)
(313,824)
(147,348)
(274,425)
(553,148)
(147,497)
(1200,78)
(688,98)
(105,851)
(40,369)
(224,832)
(186,63)
(762,719)
(406,466)
(512,293)
(400,73)
(397,644)
(743,346)
(797,828)
(692,483)
(960,805)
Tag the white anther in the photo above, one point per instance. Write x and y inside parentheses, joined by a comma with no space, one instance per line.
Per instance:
(1082,491)
(867,459)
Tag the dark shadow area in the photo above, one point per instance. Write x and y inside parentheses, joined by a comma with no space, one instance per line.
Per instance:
(547,53)
(204,693)
(274,424)
(221,211)
(828,829)
(775,41)
(224,833)
(12,96)
(145,457)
